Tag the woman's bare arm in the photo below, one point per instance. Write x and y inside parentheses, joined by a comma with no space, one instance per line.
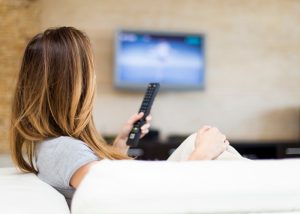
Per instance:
(78,176)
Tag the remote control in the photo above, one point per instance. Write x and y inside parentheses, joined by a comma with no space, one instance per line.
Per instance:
(135,132)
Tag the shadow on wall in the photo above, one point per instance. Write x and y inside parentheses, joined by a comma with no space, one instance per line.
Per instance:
(280,124)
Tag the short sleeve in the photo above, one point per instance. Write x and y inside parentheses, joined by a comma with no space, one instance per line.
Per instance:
(59,159)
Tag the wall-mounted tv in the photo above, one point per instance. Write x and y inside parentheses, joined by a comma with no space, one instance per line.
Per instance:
(175,60)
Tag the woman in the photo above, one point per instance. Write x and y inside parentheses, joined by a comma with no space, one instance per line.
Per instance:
(52,128)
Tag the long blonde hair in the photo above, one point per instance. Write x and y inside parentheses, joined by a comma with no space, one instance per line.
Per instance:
(54,96)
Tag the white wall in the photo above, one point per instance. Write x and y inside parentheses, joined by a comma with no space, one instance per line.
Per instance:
(253,63)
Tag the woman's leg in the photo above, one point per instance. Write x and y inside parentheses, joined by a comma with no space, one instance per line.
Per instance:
(183,152)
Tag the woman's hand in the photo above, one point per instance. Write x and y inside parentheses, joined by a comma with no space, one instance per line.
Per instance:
(122,137)
(209,144)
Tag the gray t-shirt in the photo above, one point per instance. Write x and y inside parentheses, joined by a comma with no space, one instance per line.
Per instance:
(57,159)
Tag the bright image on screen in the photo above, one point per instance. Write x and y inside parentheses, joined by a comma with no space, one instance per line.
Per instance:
(174,61)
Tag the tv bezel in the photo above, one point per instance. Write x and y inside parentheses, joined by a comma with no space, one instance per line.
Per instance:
(143,86)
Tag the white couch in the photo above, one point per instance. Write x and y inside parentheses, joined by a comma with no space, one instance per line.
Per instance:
(163,187)
(190,187)
(26,193)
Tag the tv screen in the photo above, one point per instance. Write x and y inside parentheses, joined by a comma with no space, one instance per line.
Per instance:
(175,60)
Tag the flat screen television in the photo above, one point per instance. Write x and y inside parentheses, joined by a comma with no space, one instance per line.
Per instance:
(175,60)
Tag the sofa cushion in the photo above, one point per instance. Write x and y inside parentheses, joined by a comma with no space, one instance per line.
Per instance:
(26,193)
(190,187)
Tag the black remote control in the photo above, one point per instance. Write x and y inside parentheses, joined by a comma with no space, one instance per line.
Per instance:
(135,132)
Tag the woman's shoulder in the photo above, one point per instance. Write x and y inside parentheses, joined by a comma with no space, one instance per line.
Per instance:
(58,158)
(61,141)
(63,146)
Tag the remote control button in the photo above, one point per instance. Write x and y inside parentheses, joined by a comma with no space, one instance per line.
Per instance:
(131,136)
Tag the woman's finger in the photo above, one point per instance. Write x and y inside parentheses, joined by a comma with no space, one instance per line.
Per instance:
(224,138)
(135,118)
(226,144)
(144,132)
(146,126)
(204,128)
(149,118)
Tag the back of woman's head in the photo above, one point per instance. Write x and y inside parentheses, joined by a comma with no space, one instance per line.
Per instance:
(54,95)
